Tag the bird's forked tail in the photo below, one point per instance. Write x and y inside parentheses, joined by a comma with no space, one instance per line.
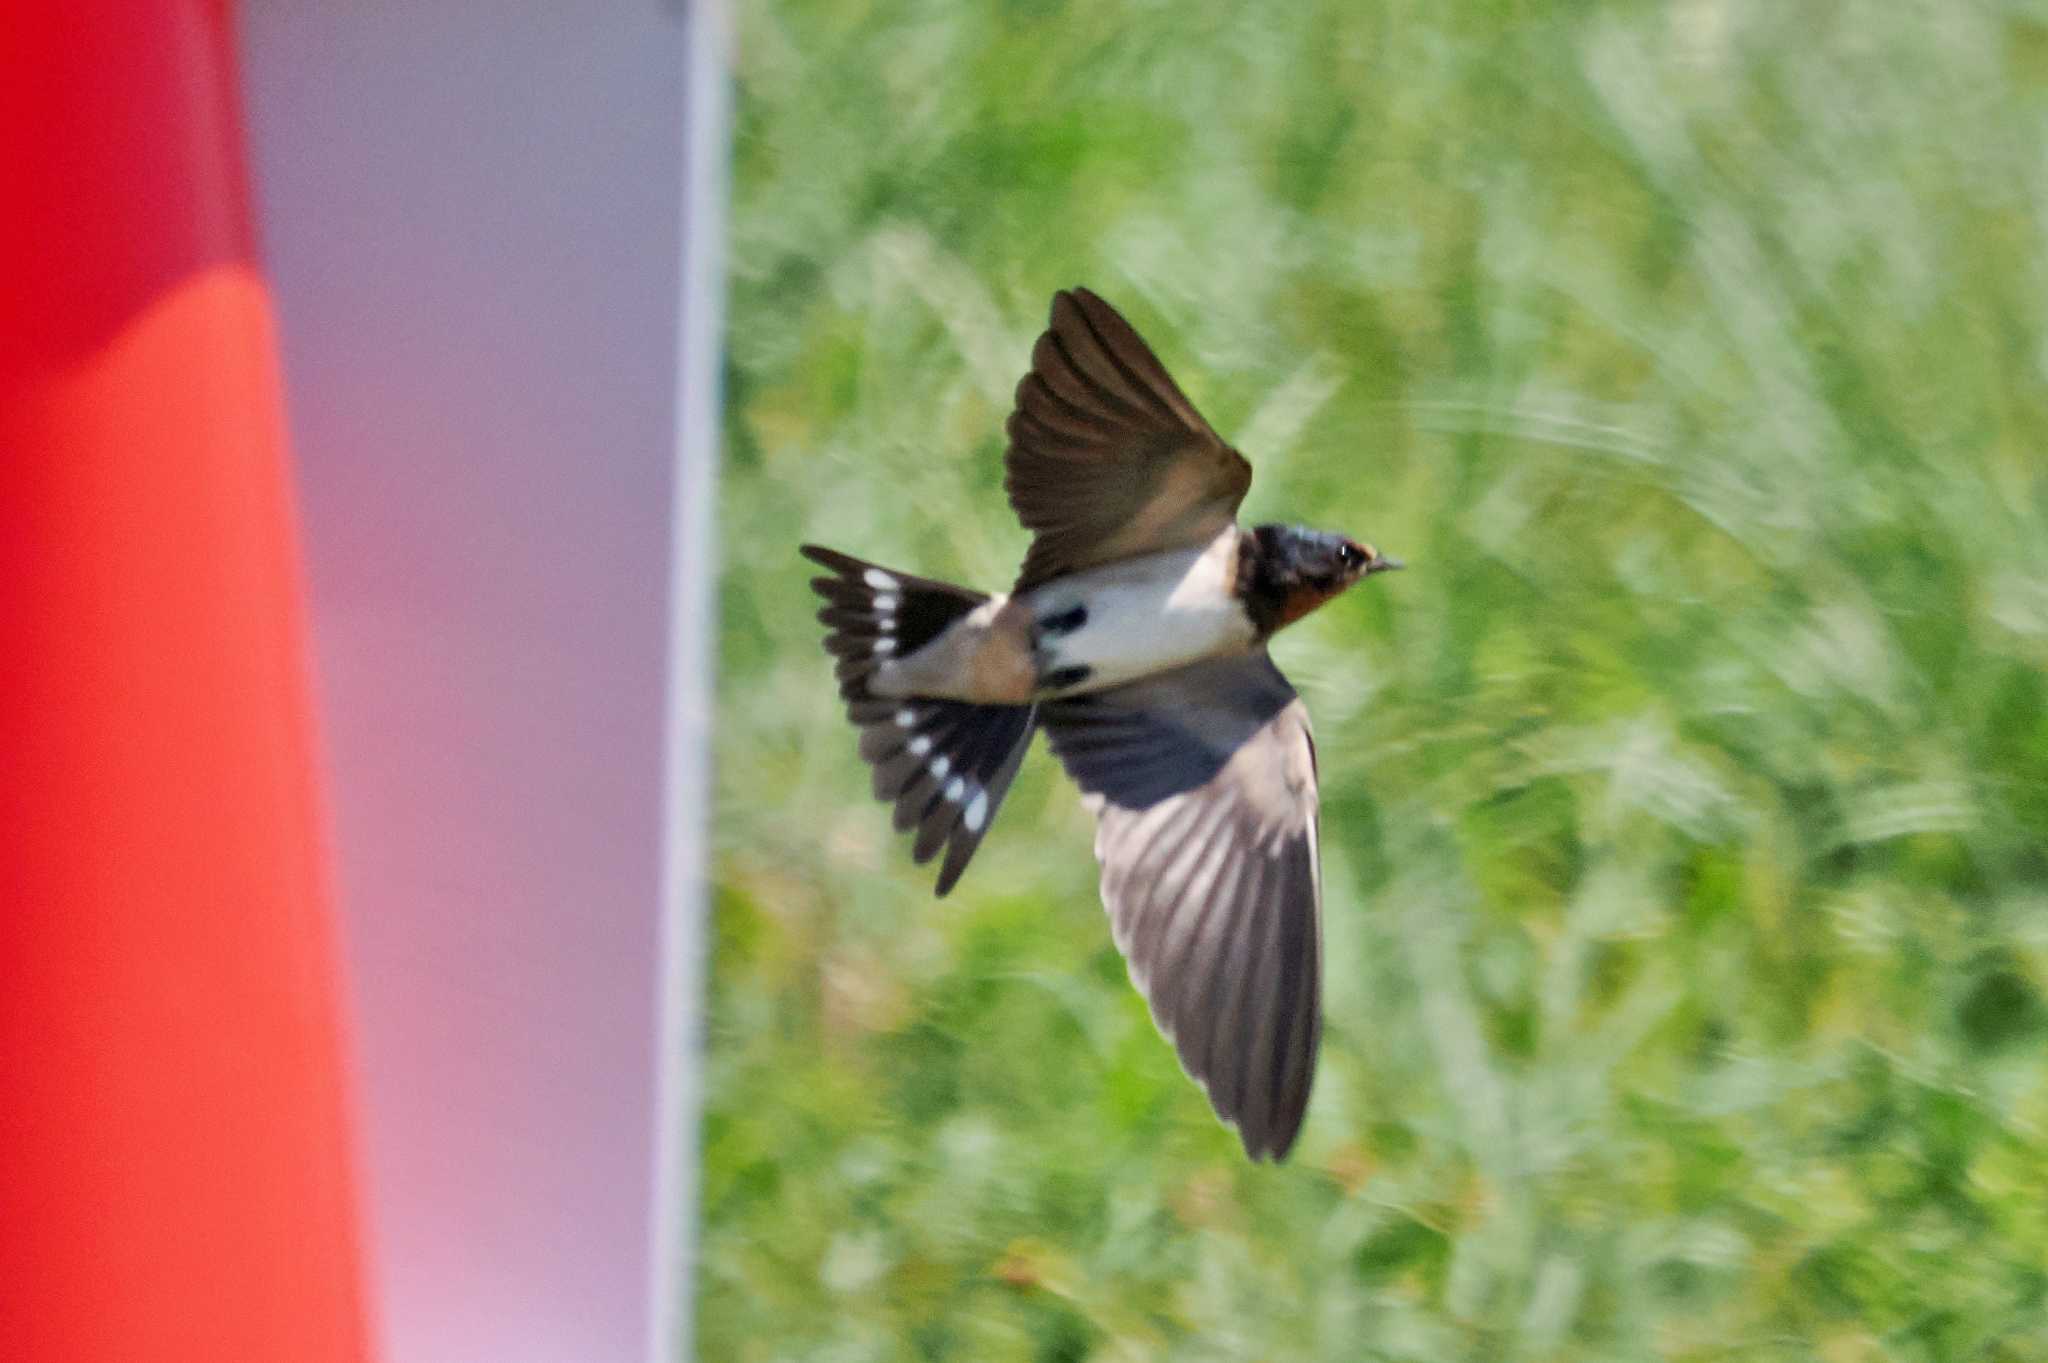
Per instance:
(944,764)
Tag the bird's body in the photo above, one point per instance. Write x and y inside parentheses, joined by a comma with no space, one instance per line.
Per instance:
(1135,636)
(1140,616)
(1087,631)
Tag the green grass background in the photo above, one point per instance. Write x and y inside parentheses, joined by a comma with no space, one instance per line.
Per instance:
(1684,803)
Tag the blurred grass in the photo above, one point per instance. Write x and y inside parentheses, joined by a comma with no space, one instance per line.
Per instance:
(1684,805)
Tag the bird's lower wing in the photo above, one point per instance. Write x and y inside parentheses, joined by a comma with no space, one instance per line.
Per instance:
(1203,785)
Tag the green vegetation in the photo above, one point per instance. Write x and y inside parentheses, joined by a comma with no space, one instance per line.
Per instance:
(1684,803)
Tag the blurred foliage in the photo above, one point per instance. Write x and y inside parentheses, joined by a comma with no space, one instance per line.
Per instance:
(1684,804)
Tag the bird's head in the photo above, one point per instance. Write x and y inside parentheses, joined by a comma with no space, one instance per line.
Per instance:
(1299,569)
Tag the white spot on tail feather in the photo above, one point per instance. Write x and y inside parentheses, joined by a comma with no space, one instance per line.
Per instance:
(884,646)
(940,766)
(885,603)
(879,580)
(956,788)
(920,745)
(906,718)
(977,812)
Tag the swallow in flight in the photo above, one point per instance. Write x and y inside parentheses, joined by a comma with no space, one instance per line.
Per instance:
(1135,636)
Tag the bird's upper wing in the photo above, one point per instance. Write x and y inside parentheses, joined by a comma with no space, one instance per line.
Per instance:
(1203,783)
(1108,459)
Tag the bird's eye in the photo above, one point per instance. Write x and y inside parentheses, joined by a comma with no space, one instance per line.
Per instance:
(1350,555)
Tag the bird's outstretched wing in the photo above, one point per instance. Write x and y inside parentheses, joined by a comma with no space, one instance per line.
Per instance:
(1203,784)
(1107,458)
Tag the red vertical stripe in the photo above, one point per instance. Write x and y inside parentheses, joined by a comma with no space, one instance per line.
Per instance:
(173,1172)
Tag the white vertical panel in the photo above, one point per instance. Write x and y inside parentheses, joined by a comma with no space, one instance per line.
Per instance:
(475,215)
(693,609)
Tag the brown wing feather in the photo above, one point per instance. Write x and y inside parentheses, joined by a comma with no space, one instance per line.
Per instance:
(1216,907)
(1203,783)
(1108,459)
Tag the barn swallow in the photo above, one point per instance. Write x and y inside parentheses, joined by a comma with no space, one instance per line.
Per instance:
(1135,636)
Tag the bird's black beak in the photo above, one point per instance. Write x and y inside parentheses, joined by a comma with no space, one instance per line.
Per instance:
(1383,564)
